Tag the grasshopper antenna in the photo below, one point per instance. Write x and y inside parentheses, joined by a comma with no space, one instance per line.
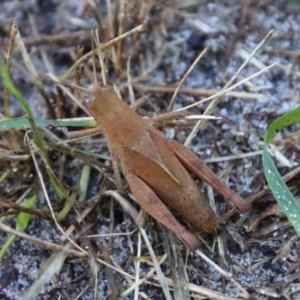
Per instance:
(101,59)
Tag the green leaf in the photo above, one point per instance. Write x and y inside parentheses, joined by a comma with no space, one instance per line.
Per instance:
(23,218)
(281,192)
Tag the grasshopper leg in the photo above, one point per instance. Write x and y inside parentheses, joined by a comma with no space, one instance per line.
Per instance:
(80,133)
(194,164)
(117,176)
(153,205)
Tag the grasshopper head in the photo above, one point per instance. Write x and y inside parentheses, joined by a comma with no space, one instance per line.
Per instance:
(102,98)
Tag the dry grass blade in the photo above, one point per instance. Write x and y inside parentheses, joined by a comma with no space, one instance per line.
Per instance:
(13,32)
(134,214)
(70,37)
(209,293)
(160,275)
(188,72)
(68,93)
(137,268)
(216,100)
(232,157)
(110,19)
(12,155)
(17,207)
(51,270)
(80,218)
(245,244)
(218,95)
(101,58)
(119,47)
(245,294)
(80,254)
(198,92)
(33,73)
(111,276)
(148,275)
(43,53)
(283,252)
(42,182)
(223,92)
(104,46)
(178,268)
(112,234)
(41,243)
(199,292)
(129,81)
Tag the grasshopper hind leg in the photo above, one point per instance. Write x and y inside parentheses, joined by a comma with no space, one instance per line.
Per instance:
(194,164)
(154,206)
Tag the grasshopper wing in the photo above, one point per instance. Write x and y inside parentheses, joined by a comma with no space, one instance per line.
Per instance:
(167,177)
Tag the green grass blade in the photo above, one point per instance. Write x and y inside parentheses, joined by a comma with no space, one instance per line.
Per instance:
(23,122)
(21,224)
(7,245)
(23,218)
(281,192)
(287,119)
(9,84)
(52,267)
(37,138)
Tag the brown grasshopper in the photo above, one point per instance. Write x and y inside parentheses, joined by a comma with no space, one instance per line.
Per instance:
(156,168)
